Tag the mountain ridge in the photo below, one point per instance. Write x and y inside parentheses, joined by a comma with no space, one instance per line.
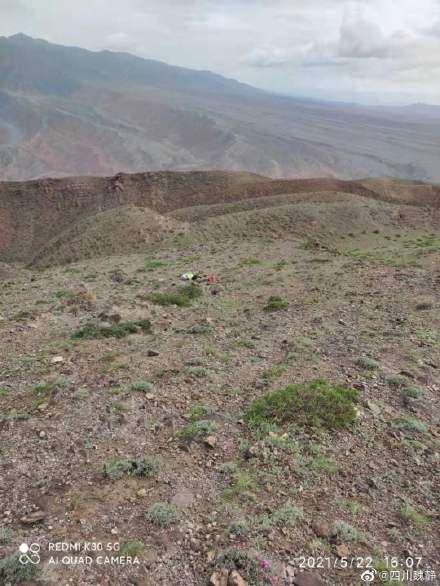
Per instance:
(66,111)
(34,213)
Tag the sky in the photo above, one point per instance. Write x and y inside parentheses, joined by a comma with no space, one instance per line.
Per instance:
(368,51)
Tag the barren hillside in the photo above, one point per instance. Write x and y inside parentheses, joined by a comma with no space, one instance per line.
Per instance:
(61,220)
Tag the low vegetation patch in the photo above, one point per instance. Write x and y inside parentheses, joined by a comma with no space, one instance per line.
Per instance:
(141,384)
(182,297)
(347,532)
(367,363)
(315,403)
(397,380)
(6,534)
(46,388)
(12,571)
(92,330)
(243,485)
(152,264)
(131,549)
(411,392)
(146,467)
(200,429)
(423,306)
(162,514)
(414,517)
(412,425)
(276,303)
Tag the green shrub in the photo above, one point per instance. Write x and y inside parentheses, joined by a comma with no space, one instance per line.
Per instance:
(162,514)
(182,297)
(309,244)
(367,363)
(81,394)
(315,403)
(227,467)
(198,371)
(397,380)
(200,410)
(276,303)
(347,532)
(45,388)
(411,393)
(141,385)
(244,563)
(411,424)
(146,467)
(423,306)
(6,534)
(152,264)
(243,485)
(287,515)
(92,330)
(14,572)
(131,549)
(281,264)
(250,262)
(200,329)
(64,293)
(198,429)
(414,517)
(240,527)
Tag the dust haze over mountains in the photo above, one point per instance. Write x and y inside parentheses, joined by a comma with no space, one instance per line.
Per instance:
(68,111)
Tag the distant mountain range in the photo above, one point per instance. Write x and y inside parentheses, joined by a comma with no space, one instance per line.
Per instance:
(69,111)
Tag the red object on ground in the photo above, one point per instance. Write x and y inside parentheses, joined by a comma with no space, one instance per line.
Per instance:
(212,279)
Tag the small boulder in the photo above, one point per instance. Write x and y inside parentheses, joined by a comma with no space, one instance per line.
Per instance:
(33,518)
(210,441)
(219,578)
(236,580)
(321,528)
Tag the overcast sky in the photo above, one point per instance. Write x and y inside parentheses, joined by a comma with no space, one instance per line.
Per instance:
(373,51)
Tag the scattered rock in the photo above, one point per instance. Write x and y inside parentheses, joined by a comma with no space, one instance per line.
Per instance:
(236,580)
(141,493)
(375,409)
(219,578)
(321,528)
(114,318)
(152,353)
(342,551)
(117,276)
(33,518)
(210,441)
(56,360)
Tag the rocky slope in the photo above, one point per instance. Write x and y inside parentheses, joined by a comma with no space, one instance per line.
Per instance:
(61,220)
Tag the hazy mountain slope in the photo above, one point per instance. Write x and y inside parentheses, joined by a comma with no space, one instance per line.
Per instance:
(68,111)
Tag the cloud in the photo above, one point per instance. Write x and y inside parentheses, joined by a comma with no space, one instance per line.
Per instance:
(362,40)
(263,57)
